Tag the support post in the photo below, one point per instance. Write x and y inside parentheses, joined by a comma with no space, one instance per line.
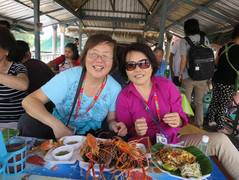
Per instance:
(62,36)
(80,41)
(37,27)
(80,37)
(163,16)
(54,39)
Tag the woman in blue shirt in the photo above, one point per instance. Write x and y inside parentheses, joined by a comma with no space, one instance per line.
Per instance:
(97,94)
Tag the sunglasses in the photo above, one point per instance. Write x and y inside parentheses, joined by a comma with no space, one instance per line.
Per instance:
(143,64)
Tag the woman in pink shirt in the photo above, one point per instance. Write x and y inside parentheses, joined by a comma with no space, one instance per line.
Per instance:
(150,105)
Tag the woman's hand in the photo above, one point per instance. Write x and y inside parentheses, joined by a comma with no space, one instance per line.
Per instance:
(141,126)
(172,119)
(61,131)
(119,128)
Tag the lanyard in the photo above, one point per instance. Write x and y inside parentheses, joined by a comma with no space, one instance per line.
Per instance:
(156,121)
(156,102)
(94,99)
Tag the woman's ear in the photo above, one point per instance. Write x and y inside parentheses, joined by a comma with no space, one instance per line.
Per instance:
(28,55)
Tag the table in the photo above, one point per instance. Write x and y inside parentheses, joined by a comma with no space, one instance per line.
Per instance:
(74,171)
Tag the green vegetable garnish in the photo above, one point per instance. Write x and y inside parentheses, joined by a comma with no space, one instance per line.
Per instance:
(168,167)
(72,142)
(61,153)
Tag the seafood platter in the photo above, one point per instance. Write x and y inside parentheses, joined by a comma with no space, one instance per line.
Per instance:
(122,158)
(96,154)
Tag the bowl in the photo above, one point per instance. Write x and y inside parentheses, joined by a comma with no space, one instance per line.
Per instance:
(74,141)
(63,153)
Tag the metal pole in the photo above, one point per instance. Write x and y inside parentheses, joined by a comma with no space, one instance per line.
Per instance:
(62,45)
(54,39)
(80,41)
(163,16)
(80,37)
(37,25)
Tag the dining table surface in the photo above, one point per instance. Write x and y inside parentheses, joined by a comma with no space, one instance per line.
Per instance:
(53,171)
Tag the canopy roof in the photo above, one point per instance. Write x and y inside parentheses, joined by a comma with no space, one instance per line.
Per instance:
(129,19)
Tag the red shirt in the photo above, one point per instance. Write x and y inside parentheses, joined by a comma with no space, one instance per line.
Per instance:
(59,60)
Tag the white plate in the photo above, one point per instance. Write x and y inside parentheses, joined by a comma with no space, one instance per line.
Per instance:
(179,177)
(157,164)
(85,166)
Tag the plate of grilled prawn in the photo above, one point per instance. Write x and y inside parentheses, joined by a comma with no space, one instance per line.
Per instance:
(181,162)
(111,155)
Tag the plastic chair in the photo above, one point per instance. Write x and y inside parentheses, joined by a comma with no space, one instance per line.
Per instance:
(11,163)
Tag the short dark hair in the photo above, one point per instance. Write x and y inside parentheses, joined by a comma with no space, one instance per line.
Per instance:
(93,41)
(74,48)
(158,49)
(140,47)
(191,27)
(22,48)
(235,32)
(7,42)
(5,24)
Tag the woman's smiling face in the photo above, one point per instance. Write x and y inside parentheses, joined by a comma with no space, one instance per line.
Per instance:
(142,73)
(99,60)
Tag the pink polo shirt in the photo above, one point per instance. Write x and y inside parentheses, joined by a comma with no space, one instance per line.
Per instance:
(129,107)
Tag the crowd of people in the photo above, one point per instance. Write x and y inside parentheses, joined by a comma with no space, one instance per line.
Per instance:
(76,94)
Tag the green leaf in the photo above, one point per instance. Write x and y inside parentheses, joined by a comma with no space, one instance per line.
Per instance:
(202,159)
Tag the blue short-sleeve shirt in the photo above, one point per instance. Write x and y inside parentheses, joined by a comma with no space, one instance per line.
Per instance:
(61,91)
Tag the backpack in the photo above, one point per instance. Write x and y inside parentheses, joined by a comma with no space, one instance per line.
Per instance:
(201,60)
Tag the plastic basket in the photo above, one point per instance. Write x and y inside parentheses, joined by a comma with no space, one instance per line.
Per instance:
(17,162)
(14,162)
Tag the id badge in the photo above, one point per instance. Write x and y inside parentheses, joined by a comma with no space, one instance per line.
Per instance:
(160,138)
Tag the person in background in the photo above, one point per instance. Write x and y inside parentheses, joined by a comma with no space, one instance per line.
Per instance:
(174,61)
(5,24)
(95,103)
(69,59)
(224,83)
(38,72)
(13,79)
(192,30)
(76,42)
(115,73)
(163,67)
(151,105)
(216,47)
